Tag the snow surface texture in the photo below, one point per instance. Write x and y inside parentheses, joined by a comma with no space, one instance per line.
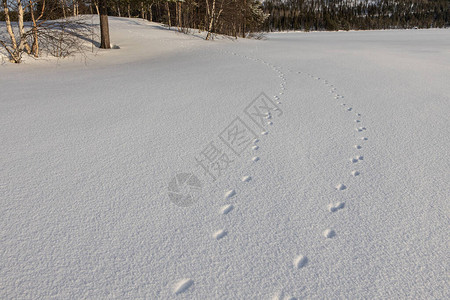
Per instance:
(88,150)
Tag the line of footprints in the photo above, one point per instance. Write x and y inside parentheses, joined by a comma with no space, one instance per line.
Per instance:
(300,260)
(333,207)
(226,209)
(184,284)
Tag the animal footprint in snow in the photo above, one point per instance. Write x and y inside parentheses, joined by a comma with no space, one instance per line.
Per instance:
(246,179)
(329,233)
(230,194)
(341,187)
(219,234)
(255,141)
(264,133)
(300,261)
(255,158)
(335,207)
(255,147)
(349,109)
(357,121)
(358,146)
(270,123)
(182,285)
(356,159)
(364,138)
(359,129)
(226,209)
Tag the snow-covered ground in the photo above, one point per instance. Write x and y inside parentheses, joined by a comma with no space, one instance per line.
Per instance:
(344,196)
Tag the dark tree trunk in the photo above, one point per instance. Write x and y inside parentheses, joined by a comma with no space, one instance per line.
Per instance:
(104,27)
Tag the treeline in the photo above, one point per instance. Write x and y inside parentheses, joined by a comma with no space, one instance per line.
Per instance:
(35,25)
(230,17)
(355,14)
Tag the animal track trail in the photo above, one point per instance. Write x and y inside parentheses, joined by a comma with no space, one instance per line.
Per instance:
(301,261)
(184,284)
(336,95)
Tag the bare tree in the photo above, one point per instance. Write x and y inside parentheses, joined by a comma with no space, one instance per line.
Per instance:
(13,48)
(35,26)
(213,15)
(60,38)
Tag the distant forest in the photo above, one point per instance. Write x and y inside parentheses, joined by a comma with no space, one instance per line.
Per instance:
(355,14)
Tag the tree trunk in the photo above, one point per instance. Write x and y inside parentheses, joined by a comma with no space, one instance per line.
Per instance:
(168,13)
(96,8)
(35,27)
(104,27)
(8,26)
(179,15)
(63,4)
(150,13)
(244,18)
(15,52)
(128,9)
(211,15)
(21,29)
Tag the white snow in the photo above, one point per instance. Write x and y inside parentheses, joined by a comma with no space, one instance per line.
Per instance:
(88,149)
